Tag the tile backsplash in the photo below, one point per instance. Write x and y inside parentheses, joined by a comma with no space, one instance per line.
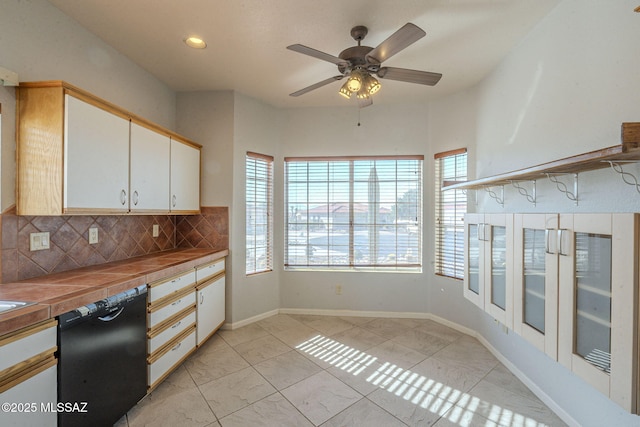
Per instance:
(119,237)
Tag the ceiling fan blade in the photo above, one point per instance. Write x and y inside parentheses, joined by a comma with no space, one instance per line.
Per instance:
(397,41)
(316,86)
(410,76)
(316,54)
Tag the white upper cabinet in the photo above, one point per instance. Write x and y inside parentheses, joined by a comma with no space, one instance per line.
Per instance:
(150,162)
(96,158)
(598,302)
(185,177)
(78,154)
(489,263)
(535,280)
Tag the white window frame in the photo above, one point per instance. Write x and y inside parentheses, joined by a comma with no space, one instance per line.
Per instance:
(330,224)
(450,207)
(259,213)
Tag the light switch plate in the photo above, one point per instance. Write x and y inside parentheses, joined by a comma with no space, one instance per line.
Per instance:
(156,230)
(39,241)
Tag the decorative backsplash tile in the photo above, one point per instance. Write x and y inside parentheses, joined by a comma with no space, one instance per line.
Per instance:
(119,237)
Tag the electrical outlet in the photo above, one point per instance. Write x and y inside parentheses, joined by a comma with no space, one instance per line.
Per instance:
(93,235)
(39,241)
(338,289)
(156,230)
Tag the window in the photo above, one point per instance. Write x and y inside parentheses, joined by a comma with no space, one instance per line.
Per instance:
(354,213)
(451,205)
(259,215)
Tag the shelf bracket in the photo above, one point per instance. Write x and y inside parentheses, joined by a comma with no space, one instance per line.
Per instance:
(627,177)
(498,198)
(531,197)
(562,187)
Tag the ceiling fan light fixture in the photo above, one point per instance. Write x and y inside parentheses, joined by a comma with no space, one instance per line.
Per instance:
(363,94)
(344,90)
(354,83)
(371,84)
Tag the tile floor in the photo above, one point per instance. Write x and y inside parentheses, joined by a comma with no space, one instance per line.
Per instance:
(303,370)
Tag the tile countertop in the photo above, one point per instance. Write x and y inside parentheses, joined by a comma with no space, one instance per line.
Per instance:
(58,293)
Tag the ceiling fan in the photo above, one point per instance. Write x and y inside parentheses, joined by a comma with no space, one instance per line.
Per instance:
(360,63)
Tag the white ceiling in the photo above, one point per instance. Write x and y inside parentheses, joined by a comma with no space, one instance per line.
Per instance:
(247,41)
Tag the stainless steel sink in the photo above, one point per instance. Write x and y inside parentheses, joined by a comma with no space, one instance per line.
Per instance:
(12,305)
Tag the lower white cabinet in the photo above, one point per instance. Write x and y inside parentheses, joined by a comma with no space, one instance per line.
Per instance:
(28,375)
(211,310)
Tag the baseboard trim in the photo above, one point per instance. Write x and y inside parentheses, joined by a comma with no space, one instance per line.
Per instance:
(235,325)
(354,313)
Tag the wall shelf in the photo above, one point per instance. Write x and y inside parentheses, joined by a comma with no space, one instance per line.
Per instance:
(627,151)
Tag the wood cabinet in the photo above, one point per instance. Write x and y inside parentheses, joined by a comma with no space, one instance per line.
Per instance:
(28,375)
(78,154)
(210,294)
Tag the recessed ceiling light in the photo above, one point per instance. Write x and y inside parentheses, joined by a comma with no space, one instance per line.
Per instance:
(195,42)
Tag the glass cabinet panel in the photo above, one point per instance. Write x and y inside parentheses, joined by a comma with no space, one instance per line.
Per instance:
(534,278)
(498,266)
(474,259)
(593,299)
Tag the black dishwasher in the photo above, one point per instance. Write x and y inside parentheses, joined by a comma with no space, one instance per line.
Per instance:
(102,368)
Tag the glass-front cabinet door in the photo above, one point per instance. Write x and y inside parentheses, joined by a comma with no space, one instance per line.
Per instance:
(498,268)
(535,298)
(598,255)
(474,236)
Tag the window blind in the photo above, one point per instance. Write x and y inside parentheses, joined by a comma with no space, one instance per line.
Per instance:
(450,207)
(259,213)
(354,212)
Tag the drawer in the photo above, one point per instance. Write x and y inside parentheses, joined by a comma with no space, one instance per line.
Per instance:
(169,330)
(161,366)
(38,389)
(203,272)
(27,343)
(169,308)
(168,286)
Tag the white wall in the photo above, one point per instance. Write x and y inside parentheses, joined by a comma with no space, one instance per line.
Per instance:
(41,43)
(564,90)
(400,129)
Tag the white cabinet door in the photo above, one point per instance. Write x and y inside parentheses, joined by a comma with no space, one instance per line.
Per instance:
(474,259)
(96,158)
(535,280)
(150,162)
(39,390)
(211,308)
(185,177)
(598,301)
(499,267)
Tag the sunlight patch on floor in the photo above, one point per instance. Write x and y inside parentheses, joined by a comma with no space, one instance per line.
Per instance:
(436,397)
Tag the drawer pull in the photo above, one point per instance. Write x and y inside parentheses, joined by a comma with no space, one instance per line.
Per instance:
(177,302)
(176,280)
(177,346)
(176,325)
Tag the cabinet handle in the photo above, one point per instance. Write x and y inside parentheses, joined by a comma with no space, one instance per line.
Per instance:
(176,325)
(173,200)
(177,302)
(548,234)
(562,250)
(177,347)
(123,197)
(201,298)
(135,198)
